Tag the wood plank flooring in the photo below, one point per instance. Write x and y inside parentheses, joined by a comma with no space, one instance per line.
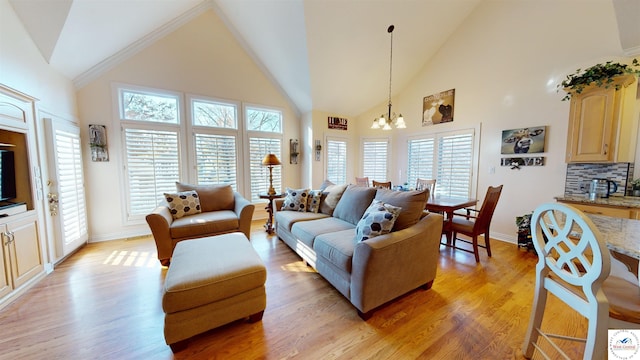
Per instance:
(104,303)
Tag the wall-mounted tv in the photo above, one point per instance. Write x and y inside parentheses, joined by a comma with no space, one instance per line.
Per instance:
(7,175)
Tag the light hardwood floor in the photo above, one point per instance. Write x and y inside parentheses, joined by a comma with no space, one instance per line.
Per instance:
(104,303)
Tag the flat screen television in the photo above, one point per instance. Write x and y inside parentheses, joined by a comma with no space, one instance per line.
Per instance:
(7,175)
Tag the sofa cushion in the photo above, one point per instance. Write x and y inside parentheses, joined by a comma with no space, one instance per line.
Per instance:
(353,203)
(378,219)
(212,197)
(336,247)
(313,201)
(330,197)
(325,184)
(286,219)
(306,231)
(183,203)
(211,223)
(295,200)
(411,202)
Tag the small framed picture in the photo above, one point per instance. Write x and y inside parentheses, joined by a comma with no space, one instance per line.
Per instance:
(98,142)
(529,140)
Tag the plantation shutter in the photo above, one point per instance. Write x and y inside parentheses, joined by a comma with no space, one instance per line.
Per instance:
(216,159)
(337,161)
(258,148)
(71,200)
(420,160)
(375,159)
(455,161)
(152,164)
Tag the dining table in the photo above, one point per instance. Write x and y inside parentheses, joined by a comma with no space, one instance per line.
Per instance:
(448,205)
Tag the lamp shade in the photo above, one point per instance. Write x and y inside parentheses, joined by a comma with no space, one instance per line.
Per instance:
(270,160)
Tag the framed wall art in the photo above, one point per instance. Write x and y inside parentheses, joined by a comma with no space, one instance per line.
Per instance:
(98,142)
(438,108)
(523,141)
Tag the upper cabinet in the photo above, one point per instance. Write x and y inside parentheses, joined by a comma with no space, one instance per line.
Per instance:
(603,123)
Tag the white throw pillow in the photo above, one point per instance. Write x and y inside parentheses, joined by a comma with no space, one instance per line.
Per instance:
(183,203)
(296,200)
(378,219)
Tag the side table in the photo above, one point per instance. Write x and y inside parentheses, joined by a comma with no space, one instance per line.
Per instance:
(269,225)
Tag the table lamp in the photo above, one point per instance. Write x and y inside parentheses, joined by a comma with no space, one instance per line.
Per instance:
(271,160)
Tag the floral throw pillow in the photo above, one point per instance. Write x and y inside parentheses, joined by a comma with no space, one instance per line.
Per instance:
(378,219)
(296,200)
(183,203)
(313,201)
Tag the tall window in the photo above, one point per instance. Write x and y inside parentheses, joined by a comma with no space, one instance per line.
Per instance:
(337,160)
(420,159)
(264,129)
(150,124)
(375,153)
(446,157)
(215,131)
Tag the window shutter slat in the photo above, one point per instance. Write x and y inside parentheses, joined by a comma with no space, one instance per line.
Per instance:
(337,161)
(258,148)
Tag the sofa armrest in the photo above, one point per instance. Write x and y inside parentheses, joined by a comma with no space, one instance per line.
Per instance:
(244,210)
(160,221)
(390,265)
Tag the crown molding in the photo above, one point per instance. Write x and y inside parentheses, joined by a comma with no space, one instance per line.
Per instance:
(107,64)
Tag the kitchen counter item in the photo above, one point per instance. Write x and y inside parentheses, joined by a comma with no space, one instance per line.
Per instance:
(601,188)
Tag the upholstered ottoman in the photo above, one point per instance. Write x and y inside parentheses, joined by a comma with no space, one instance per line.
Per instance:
(212,281)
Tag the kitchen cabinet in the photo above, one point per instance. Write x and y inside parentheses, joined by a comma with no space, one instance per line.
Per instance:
(603,123)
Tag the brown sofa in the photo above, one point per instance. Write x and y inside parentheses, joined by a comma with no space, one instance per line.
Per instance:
(221,211)
(369,272)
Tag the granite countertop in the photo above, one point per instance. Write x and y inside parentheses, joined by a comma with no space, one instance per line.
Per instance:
(621,235)
(619,201)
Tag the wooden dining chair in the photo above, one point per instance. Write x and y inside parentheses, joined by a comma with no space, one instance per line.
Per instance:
(362,181)
(382,185)
(475,225)
(578,270)
(430,184)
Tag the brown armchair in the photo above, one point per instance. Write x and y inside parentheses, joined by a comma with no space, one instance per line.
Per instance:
(222,211)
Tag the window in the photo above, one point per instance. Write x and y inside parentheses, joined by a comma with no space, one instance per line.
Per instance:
(206,143)
(337,160)
(375,159)
(446,157)
(420,159)
(150,124)
(264,128)
(455,159)
(215,131)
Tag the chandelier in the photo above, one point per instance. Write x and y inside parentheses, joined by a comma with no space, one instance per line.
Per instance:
(383,122)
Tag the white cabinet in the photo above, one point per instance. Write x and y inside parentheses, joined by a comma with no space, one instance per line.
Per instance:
(22,258)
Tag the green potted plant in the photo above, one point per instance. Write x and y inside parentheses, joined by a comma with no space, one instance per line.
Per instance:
(635,186)
(602,75)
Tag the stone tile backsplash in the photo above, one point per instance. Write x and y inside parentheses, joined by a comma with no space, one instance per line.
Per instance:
(579,175)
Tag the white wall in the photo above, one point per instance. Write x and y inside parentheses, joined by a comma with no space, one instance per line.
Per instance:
(23,68)
(504,64)
(203,58)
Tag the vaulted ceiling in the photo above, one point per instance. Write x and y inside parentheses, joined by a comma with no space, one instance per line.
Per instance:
(324,54)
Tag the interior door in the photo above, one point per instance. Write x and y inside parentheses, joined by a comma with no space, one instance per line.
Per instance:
(66,193)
